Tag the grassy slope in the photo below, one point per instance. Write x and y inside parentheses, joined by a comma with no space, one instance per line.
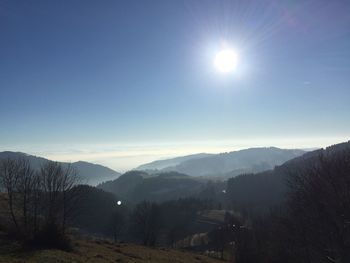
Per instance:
(100,251)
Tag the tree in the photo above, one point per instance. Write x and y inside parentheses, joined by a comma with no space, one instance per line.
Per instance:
(118,221)
(39,203)
(57,184)
(319,203)
(25,190)
(146,220)
(9,176)
(70,194)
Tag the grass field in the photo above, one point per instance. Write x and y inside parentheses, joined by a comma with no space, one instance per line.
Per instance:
(99,251)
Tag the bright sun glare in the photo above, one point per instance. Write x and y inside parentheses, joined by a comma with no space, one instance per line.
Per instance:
(226,60)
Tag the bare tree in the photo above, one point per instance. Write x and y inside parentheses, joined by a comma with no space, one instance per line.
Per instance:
(147,222)
(69,193)
(25,189)
(40,203)
(9,177)
(36,202)
(57,184)
(51,181)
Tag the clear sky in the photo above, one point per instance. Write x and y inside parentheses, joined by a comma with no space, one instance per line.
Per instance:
(124,82)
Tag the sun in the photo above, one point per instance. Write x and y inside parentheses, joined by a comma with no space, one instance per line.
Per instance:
(226,60)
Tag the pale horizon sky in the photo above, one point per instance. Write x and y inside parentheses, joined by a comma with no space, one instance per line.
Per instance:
(122,83)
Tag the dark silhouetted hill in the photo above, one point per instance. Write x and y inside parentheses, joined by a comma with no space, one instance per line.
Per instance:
(137,186)
(259,192)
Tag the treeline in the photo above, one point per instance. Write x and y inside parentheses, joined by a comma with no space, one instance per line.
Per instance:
(167,222)
(38,204)
(147,223)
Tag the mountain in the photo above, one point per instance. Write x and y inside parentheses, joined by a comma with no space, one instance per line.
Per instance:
(34,161)
(162,164)
(135,186)
(124,184)
(261,191)
(89,173)
(93,174)
(227,164)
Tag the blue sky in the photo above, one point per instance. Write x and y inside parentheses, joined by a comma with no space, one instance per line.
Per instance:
(123,82)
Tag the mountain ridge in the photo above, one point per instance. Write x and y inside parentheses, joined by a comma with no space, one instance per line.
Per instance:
(226,164)
(89,173)
(263,190)
(161,164)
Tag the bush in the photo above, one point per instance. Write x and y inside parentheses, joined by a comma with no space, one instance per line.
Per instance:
(50,236)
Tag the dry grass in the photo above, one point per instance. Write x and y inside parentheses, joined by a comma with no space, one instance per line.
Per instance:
(213,215)
(100,251)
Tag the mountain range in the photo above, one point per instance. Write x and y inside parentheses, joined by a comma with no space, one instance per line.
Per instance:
(173,178)
(88,173)
(263,190)
(222,165)
(164,164)
(225,165)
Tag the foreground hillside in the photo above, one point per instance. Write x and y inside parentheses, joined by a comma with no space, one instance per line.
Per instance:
(99,251)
